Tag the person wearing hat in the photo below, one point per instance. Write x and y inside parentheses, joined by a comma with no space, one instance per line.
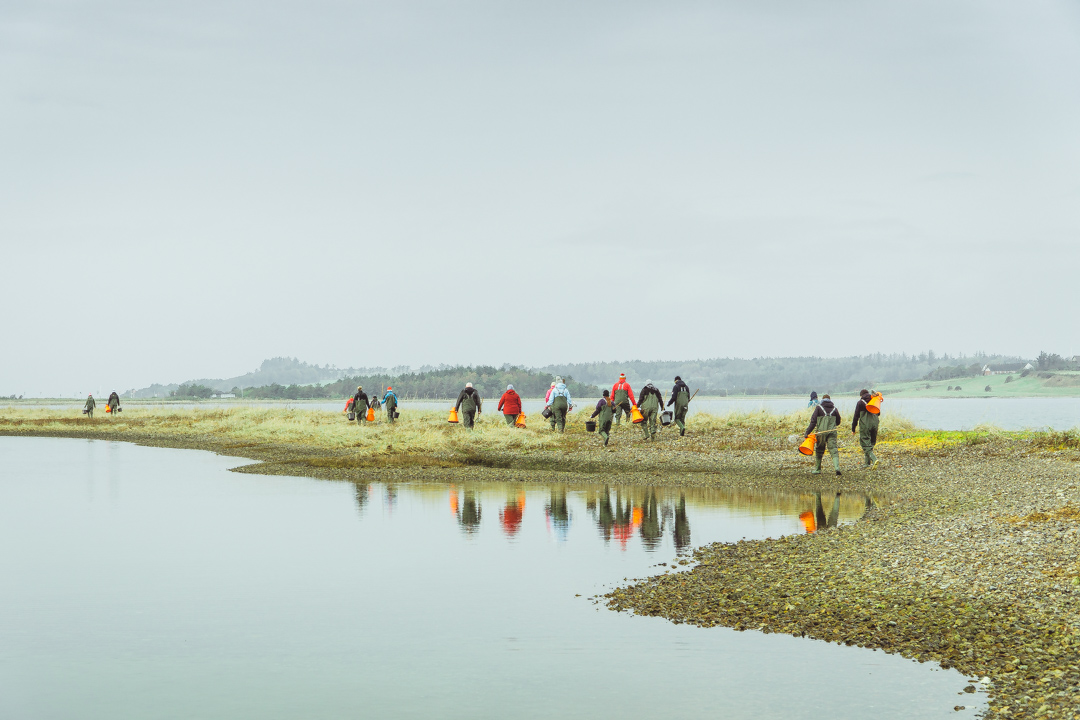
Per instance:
(360,405)
(390,402)
(622,396)
(560,403)
(813,399)
(649,403)
(867,423)
(468,401)
(113,402)
(680,395)
(510,404)
(604,409)
(824,421)
(88,408)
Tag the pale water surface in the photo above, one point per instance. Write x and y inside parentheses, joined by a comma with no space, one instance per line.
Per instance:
(152,583)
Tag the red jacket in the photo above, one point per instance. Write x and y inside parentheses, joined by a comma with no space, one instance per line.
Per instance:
(510,403)
(623,386)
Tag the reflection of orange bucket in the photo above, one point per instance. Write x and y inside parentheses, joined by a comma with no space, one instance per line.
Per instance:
(635,415)
(371,414)
(808,521)
(874,406)
(807,447)
(453,416)
(520,421)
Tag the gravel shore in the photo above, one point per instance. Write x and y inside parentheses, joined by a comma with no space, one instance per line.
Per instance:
(973,564)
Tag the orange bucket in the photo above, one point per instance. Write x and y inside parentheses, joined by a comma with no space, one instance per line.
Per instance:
(808,521)
(807,447)
(371,414)
(635,415)
(453,416)
(108,408)
(874,406)
(520,421)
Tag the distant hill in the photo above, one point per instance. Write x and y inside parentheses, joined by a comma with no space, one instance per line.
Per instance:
(279,370)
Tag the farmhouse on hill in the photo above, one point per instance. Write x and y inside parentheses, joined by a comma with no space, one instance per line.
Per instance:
(1006,368)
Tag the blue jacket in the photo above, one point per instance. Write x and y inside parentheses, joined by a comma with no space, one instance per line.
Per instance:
(390,393)
(560,390)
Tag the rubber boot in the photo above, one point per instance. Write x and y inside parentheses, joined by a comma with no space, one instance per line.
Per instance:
(836,463)
(873,459)
(817,465)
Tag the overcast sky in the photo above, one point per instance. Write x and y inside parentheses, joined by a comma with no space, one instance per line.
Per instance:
(188,188)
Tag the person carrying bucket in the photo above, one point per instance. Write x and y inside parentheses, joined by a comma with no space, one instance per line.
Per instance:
(510,405)
(468,401)
(866,420)
(605,410)
(360,405)
(88,408)
(649,403)
(560,403)
(113,402)
(823,422)
(813,400)
(680,395)
(622,396)
(390,402)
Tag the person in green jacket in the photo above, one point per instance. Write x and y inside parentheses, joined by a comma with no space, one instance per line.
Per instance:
(389,402)
(867,423)
(680,395)
(824,421)
(360,405)
(606,411)
(649,403)
(469,403)
(89,406)
(560,403)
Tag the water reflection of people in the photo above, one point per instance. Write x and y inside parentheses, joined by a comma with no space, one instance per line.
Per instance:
(650,522)
(511,515)
(363,494)
(558,512)
(623,528)
(681,533)
(391,497)
(605,515)
(469,512)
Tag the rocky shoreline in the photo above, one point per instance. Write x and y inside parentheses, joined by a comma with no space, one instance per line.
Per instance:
(973,565)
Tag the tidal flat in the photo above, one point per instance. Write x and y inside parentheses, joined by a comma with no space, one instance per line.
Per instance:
(969,557)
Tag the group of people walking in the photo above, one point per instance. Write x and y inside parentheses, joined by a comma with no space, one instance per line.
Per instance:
(362,408)
(825,419)
(112,405)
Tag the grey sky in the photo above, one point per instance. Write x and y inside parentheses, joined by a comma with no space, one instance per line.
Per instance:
(188,188)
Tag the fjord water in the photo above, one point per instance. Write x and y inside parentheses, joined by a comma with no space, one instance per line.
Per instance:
(152,583)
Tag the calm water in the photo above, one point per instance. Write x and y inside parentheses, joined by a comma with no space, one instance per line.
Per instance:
(151,583)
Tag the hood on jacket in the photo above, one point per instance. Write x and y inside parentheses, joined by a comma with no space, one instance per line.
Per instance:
(827,403)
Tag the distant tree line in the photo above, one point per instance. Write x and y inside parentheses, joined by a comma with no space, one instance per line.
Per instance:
(193,390)
(778,376)
(438,384)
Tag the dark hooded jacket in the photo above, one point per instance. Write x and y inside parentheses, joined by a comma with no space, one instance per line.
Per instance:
(360,401)
(860,408)
(825,408)
(680,386)
(470,395)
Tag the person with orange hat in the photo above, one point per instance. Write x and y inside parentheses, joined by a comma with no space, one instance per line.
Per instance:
(622,397)
(390,402)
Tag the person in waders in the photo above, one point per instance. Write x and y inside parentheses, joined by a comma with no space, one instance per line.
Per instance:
(560,403)
(390,402)
(824,421)
(510,405)
(867,424)
(113,402)
(649,403)
(360,405)
(680,395)
(605,410)
(89,406)
(622,396)
(468,401)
